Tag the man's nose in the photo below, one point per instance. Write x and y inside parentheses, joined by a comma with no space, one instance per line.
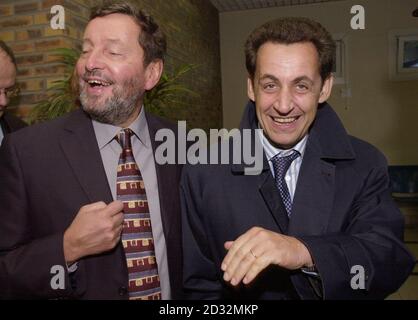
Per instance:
(94,60)
(284,101)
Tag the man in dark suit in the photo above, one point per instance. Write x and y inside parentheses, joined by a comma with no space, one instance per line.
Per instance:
(318,222)
(8,89)
(86,212)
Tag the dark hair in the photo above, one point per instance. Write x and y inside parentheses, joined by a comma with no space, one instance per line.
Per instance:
(8,52)
(292,30)
(151,38)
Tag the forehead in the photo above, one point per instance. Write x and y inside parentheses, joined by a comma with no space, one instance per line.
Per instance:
(290,58)
(8,71)
(115,27)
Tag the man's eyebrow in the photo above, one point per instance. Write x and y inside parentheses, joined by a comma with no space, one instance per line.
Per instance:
(112,41)
(268,77)
(87,40)
(303,78)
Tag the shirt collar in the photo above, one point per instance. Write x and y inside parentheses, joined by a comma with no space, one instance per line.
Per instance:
(271,150)
(105,133)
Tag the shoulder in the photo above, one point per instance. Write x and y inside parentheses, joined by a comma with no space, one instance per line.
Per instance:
(367,155)
(41,133)
(13,122)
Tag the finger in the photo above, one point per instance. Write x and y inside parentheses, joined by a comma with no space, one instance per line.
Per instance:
(235,246)
(242,268)
(256,267)
(119,232)
(228,244)
(232,247)
(118,219)
(241,261)
(94,206)
(113,208)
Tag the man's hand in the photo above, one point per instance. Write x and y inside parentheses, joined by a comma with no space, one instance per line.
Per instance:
(96,229)
(258,248)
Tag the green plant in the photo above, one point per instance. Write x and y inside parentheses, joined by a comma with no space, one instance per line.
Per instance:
(168,93)
(62,96)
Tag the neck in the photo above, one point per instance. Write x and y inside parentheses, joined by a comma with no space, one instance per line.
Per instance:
(132,118)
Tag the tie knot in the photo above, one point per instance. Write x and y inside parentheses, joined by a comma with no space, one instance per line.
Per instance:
(124,138)
(282,164)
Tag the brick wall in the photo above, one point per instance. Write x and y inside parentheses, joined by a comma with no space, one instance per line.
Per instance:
(25,26)
(191,27)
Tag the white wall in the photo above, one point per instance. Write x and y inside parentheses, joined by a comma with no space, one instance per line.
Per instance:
(380,111)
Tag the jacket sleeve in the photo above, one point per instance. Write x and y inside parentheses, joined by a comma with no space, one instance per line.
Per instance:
(29,267)
(372,242)
(200,276)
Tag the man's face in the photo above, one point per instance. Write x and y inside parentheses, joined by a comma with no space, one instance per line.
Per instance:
(7,79)
(112,76)
(286,89)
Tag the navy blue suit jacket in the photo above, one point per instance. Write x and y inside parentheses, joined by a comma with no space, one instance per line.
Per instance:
(342,211)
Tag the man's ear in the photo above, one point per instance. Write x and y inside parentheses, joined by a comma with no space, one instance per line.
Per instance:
(250,89)
(326,89)
(153,72)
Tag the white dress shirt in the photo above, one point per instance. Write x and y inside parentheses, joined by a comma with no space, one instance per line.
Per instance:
(292,173)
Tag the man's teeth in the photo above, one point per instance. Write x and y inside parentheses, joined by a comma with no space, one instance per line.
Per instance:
(285,120)
(98,83)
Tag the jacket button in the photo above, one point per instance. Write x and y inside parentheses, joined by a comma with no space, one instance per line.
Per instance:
(123,291)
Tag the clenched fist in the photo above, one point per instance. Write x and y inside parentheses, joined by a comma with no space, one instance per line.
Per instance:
(96,229)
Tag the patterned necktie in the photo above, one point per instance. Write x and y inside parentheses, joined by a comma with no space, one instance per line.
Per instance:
(137,239)
(280,167)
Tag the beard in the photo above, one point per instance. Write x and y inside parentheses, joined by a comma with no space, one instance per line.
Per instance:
(118,108)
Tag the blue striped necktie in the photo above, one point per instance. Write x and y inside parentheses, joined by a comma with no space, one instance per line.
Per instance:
(280,167)
(137,239)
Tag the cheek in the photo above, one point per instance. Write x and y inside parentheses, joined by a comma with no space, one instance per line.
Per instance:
(310,112)
(265,101)
(307,103)
(261,109)
(79,67)
(124,74)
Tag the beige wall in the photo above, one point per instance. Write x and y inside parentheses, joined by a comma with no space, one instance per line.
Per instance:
(380,111)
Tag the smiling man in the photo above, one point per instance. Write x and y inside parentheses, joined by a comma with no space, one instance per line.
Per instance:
(319,221)
(86,213)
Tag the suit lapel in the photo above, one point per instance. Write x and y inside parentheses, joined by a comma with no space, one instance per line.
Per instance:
(79,144)
(314,194)
(273,201)
(269,193)
(166,178)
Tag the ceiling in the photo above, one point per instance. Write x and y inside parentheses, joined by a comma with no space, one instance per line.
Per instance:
(235,5)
